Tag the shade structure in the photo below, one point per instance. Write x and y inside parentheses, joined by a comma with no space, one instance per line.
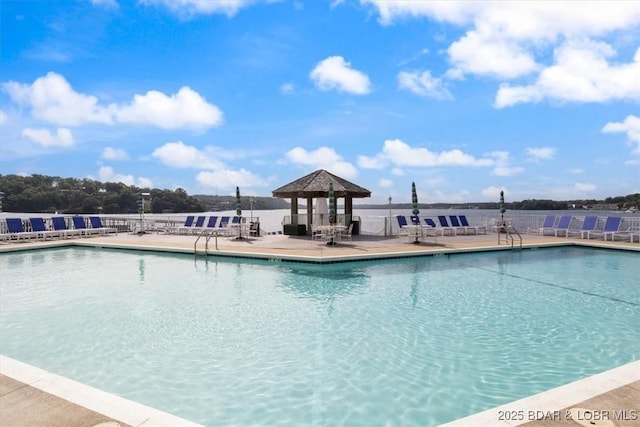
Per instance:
(238,202)
(316,185)
(502,209)
(332,205)
(414,199)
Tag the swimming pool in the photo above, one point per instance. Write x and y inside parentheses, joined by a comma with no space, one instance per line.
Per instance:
(417,341)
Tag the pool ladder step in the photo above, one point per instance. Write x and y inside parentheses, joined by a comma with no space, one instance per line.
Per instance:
(510,233)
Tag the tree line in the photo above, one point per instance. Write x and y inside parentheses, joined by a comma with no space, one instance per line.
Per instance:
(49,194)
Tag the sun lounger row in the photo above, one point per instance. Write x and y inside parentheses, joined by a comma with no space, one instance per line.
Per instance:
(454,225)
(568,226)
(37,228)
(195,225)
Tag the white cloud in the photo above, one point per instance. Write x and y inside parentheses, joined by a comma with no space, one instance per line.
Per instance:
(322,158)
(502,164)
(43,137)
(423,84)
(52,99)
(377,162)
(575,171)
(493,193)
(581,74)
(540,153)
(511,39)
(190,8)
(178,155)
(584,187)
(287,88)
(385,183)
(400,153)
(186,109)
(106,174)
(105,3)
(630,126)
(3,117)
(471,55)
(117,154)
(335,73)
(227,179)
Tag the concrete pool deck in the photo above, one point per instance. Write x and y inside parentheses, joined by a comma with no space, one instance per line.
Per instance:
(30,396)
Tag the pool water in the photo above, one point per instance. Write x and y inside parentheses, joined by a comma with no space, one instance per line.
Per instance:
(417,341)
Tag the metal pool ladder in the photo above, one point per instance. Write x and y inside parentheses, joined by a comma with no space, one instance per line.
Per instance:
(208,234)
(509,232)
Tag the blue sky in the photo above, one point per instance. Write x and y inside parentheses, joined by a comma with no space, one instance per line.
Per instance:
(539,99)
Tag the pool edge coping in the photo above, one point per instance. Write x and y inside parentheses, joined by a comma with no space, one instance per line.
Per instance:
(554,399)
(137,414)
(97,400)
(269,254)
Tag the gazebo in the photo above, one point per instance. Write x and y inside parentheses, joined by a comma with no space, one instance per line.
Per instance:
(314,186)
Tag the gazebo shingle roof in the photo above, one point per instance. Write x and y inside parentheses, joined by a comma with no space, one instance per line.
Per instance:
(316,184)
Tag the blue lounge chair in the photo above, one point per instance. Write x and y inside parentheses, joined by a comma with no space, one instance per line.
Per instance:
(430,228)
(186,227)
(457,227)
(224,221)
(17,231)
(476,228)
(589,224)
(415,219)
(211,223)
(198,225)
(402,225)
(38,226)
(79,224)
(60,225)
(444,226)
(611,226)
(96,224)
(563,226)
(548,224)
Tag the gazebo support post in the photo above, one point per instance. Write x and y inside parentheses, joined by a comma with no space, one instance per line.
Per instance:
(348,210)
(309,213)
(294,211)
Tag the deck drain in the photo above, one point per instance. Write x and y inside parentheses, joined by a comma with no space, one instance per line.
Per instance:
(591,417)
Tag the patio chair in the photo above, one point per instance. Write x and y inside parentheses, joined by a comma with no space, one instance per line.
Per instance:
(16,230)
(198,225)
(476,228)
(96,224)
(445,227)
(548,224)
(38,226)
(211,223)
(347,235)
(563,226)
(79,224)
(611,225)
(60,225)
(430,228)
(589,224)
(186,227)
(402,225)
(455,224)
